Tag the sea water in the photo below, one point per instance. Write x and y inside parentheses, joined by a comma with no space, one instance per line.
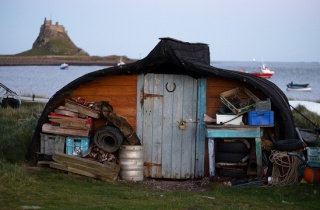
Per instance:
(285,72)
(42,81)
(47,80)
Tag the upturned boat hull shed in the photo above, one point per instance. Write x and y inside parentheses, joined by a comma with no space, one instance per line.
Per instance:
(164,97)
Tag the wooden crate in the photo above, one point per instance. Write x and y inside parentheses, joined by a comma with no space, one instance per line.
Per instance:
(239,100)
(51,144)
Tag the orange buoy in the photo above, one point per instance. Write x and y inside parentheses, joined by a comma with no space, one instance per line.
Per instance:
(311,175)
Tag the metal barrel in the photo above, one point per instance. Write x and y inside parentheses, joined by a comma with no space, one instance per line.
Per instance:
(131,162)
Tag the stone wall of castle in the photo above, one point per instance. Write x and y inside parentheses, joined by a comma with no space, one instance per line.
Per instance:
(48,25)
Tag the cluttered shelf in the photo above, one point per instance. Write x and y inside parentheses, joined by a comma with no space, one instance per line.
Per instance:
(234,132)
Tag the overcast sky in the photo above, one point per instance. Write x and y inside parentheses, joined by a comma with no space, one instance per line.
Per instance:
(235,30)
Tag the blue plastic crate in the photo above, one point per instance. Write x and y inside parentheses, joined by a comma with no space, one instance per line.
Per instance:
(78,146)
(262,117)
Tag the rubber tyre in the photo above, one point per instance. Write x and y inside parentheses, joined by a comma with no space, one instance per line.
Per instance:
(232,173)
(288,145)
(232,147)
(228,157)
(108,138)
(10,102)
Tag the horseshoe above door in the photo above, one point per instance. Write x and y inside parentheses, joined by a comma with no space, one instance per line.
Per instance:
(174,87)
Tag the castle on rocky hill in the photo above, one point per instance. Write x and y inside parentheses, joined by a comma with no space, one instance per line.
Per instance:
(48,25)
(53,39)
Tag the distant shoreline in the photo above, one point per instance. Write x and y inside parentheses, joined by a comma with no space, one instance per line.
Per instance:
(57,60)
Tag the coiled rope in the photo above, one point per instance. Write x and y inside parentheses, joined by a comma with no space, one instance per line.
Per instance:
(285,168)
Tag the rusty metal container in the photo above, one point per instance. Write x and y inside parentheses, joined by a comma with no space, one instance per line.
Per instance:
(131,158)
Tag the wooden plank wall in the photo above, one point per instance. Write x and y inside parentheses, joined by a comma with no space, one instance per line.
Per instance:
(119,90)
(217,85)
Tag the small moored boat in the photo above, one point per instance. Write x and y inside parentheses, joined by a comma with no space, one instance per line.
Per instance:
(298,87)
(64,66)
(120,63)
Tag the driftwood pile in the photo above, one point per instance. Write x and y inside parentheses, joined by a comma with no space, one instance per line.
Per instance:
(76,119)
(72,119)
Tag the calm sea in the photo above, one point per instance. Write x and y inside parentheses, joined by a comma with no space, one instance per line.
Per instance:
(47,80)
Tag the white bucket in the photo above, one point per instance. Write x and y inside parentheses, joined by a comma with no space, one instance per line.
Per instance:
(131,162)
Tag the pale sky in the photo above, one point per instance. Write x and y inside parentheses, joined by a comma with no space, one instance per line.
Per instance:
(235,30)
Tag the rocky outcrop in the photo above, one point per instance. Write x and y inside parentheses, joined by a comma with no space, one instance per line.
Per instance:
(53,40)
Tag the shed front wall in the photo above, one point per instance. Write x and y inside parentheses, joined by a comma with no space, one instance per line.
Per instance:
(120,91)
(124,94)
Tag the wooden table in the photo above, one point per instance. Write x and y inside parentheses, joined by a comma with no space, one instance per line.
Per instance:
(233,131)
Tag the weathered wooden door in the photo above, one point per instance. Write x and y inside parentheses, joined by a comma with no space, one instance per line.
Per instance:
(168,125)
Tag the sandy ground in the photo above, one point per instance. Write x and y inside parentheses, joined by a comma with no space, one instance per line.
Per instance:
(311,106)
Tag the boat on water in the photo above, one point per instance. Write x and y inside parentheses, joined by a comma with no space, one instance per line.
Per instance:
(298,87)
(120,63)
(265,72)
(64,66)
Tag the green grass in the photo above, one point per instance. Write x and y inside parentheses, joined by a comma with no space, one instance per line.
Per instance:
(304,118)
(53,47)
(16,130)
(52,189)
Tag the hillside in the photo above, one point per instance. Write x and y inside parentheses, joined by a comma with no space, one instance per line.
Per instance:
(53,40)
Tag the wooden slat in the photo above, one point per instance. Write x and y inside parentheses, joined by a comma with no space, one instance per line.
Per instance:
(156,120)
(200,136)
(147,120)
(122,80)
(106,90)
(177,114)
(121,100)
(167,131)
(73,170)
(59,157)
(222,82)
(80,172)
(82,109)
(73,123)
(48,128)
(189,108)
(108,171)
(100,171)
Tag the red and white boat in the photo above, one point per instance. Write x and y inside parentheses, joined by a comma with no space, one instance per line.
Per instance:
(265,72)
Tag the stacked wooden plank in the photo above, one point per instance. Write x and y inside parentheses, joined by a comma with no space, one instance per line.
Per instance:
(73,119)
(107,171)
